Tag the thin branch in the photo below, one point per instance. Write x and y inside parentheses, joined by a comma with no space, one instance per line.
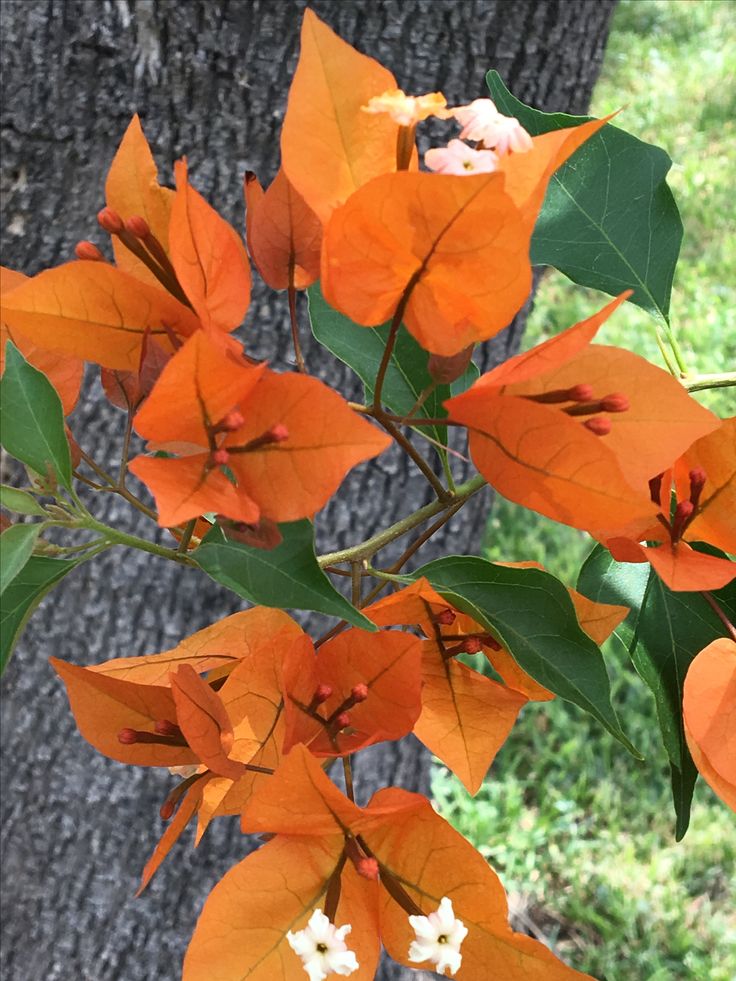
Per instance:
(301,366)
(716,607)
(699,383)
(411,451)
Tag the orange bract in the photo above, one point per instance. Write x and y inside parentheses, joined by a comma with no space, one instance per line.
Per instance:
(709,716)
(454,247)
(196,389)
(294,478)
(103,705)
(540,453)
(132,189)
(329,146)
(95,312)
(432,860)
(209,258)
(65,373)
(387,663)
(715,454)
(284,234)
(466,718)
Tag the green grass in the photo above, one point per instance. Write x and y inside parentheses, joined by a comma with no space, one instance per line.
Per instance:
(581,833)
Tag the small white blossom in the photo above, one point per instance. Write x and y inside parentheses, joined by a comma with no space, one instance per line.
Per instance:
(460,159)
(482,121)
(439,936)
(322,948)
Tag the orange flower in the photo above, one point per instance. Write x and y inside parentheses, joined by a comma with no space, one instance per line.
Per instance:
(407,110)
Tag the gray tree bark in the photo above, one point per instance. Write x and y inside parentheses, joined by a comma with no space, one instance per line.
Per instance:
(209,80)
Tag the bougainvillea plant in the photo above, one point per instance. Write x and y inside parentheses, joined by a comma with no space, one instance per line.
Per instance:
(409,265)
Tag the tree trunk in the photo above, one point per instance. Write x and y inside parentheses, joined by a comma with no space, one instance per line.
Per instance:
(209,80)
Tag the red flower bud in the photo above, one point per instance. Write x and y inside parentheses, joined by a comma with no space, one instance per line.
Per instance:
(165,728)
(89,251)
(615,403)
(473,646)
(359,692)
(166,810)
(220,457)
(446,617)
(368,868)
(580,393)
(342,720)
(683,515)
(127,737)
(322,693)
(110,220)
(598,425)
(278,433)
(232,421)
(137,226)
(697,483)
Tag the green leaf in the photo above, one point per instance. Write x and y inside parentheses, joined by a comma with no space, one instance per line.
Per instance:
(361,348)
(663,633)
(609,219)
(286,577)
(23,595)
(33,419)
(16,548)
(19,501)
(532,615)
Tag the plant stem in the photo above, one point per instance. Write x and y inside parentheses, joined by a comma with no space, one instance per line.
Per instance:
(301,366)
(186,536)
(368,548)
(699,383)
(347,767)
(716,607)
(414,454)
(114,537)
(126,452)
(114,488)
(356,572)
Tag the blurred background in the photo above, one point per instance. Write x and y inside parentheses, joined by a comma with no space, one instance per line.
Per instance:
(581,834)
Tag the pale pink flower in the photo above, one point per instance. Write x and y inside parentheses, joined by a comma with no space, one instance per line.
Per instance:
(322,948)
(481,121)
(459,158)
(439,937)
(408,110)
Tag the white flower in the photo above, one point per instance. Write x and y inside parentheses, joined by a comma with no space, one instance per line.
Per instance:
(482,121)
(460,159)
(322,948)
(439,936)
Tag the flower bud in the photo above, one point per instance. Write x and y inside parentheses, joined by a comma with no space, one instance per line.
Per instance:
(88,250)
(127,737)
(445,617)
(359,692)
(368,868)
(322,693)
(221,457)
(598,425)
(110,220)
(137,226)
(342,720)
(617,402)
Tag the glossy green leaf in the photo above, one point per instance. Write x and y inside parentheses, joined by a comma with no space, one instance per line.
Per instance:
(16,548)
(23,595)
(609,219)
(361,348)
(532,615)
(285,577)
(19,501)
(663,633)
(33,419)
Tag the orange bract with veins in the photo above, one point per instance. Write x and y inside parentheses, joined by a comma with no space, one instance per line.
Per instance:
(284,234)
(132,189)
(532,443)
(329,146)
(294,478)
(95,312)
(65,373)
(715,518)
(209,258)
(709,716)
(454,250)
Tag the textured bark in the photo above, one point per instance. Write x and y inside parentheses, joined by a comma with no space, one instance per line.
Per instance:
(210,80)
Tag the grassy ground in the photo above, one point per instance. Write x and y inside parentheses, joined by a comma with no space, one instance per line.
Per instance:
(580,832)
